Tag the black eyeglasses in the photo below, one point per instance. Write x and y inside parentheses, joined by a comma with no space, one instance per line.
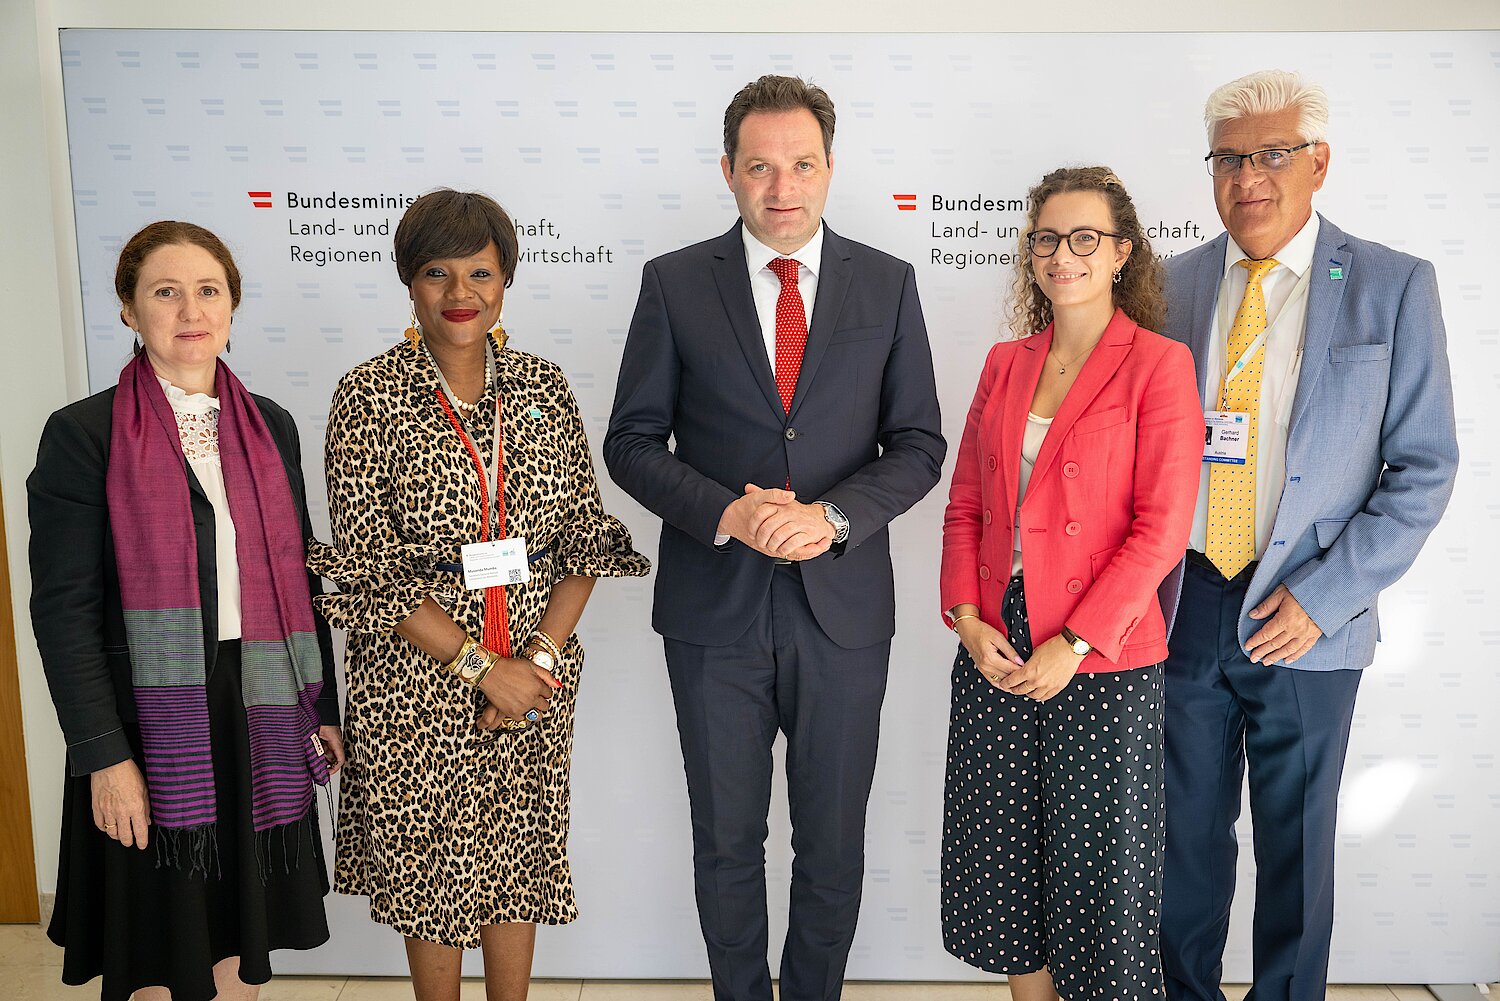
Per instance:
(1267,161)
(1083,242)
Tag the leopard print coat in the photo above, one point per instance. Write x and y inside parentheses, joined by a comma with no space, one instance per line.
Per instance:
(445,827)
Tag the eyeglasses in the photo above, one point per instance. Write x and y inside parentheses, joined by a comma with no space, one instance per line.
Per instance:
(1083,242)
(1267,161)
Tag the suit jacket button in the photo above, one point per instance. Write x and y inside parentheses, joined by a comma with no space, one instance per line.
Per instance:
(791,434)
(1073,528)
(1074,586)
(984,573)
(1070,469)
(987,516)
(990,462)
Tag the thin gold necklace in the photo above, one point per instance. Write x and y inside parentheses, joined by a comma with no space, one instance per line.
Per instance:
(1062,369)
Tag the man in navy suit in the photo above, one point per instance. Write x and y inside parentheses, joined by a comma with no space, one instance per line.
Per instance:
(1331,351)
(791,366)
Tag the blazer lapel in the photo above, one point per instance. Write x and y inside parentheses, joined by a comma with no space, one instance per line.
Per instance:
(1324,297)
(834,275)
(1205,285)
(1020,387)
(733,281)
(1097,371)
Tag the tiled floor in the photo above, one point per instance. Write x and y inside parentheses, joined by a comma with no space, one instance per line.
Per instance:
(29,972)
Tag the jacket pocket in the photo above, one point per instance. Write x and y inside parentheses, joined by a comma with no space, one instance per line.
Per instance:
(1103,419)
(1098,561)
(852,334)
(1358,352)
(1329,530)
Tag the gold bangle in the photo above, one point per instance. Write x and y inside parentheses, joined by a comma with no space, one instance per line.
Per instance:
(548,642)
(954,624)
(490,662)
(452,666)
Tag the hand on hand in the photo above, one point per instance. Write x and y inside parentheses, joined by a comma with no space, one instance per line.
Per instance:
(121,808)
(774,523)
(333,747)
(993,655)
(513,687)
(1290,633)
(1051,667)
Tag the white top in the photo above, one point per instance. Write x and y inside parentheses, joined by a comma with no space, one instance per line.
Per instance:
(1279,372)
(765,287)
(198,428)
(1031,447)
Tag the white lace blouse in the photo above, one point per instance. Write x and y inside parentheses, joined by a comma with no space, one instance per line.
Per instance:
(198,428)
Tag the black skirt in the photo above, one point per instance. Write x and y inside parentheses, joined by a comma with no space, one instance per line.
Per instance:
(137,923)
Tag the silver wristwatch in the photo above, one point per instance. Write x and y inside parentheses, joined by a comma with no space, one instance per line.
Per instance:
(836,519)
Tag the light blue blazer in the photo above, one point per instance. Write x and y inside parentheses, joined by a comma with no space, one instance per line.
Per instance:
(1371,447)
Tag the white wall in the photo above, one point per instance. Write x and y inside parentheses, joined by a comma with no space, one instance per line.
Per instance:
(43,361)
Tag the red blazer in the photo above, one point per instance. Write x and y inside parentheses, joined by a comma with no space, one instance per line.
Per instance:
(1110,502)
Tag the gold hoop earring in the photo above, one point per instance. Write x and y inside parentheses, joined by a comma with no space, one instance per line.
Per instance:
(413,333)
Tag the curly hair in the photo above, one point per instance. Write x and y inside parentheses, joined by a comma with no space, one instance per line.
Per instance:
(1141,289)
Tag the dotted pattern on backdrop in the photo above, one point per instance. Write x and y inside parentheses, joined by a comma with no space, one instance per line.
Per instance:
(611,142)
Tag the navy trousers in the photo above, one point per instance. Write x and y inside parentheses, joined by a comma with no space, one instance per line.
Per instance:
(783,674)
(1292,728)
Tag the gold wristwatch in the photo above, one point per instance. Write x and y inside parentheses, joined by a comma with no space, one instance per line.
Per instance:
(1080,645)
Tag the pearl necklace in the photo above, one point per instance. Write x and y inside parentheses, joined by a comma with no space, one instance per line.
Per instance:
(468,409)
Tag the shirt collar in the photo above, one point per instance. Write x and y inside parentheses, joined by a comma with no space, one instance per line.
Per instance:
(810,255)
(1296,256)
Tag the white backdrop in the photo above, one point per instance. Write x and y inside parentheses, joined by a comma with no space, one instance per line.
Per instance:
(606,146)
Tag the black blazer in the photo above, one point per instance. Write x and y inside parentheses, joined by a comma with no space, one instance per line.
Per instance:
(864,432)
(75,588)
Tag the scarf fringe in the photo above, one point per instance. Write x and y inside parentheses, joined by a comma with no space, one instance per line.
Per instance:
(273,842)
(195,849)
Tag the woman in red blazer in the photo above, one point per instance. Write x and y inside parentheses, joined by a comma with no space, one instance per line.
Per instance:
(1071,500)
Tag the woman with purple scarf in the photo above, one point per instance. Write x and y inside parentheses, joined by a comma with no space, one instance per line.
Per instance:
(193,682)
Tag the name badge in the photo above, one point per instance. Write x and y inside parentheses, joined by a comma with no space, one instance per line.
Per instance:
(495,564)
(1226,436)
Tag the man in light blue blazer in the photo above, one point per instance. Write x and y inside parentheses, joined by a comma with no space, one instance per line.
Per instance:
(1324,372)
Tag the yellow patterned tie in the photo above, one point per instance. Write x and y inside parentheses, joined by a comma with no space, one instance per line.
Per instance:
(1231,488)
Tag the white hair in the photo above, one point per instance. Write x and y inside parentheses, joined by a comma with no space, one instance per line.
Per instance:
(1267,92)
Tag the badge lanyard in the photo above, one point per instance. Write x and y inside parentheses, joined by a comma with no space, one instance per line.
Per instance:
(1260,340)
(496,618)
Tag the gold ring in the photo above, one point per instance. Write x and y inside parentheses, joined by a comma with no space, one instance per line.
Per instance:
(107,826)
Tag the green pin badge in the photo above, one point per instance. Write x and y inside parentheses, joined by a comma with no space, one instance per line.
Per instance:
(1336,274)
(534,414)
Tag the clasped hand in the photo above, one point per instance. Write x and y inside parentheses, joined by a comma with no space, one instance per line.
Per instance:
(1051,667)
(773,522)
(513,687)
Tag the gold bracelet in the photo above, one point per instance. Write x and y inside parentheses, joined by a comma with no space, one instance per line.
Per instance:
(491,660)
(452,666)
(548,642)
(954,624)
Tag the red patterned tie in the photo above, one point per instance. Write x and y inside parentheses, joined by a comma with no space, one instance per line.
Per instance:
(791,330)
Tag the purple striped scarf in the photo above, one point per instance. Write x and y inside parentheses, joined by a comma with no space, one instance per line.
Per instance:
(151,516)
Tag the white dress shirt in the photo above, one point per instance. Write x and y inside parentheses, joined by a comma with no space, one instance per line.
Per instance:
(765,288)
(1031,447)
(1286,315)
(198,430)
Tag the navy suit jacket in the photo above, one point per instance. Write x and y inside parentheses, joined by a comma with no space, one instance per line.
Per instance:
(1371,446)
(697,416)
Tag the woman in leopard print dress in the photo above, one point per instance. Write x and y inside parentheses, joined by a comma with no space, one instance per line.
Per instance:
(452,823)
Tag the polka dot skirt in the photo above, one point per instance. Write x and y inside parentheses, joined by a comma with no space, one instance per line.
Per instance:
(1052,828)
